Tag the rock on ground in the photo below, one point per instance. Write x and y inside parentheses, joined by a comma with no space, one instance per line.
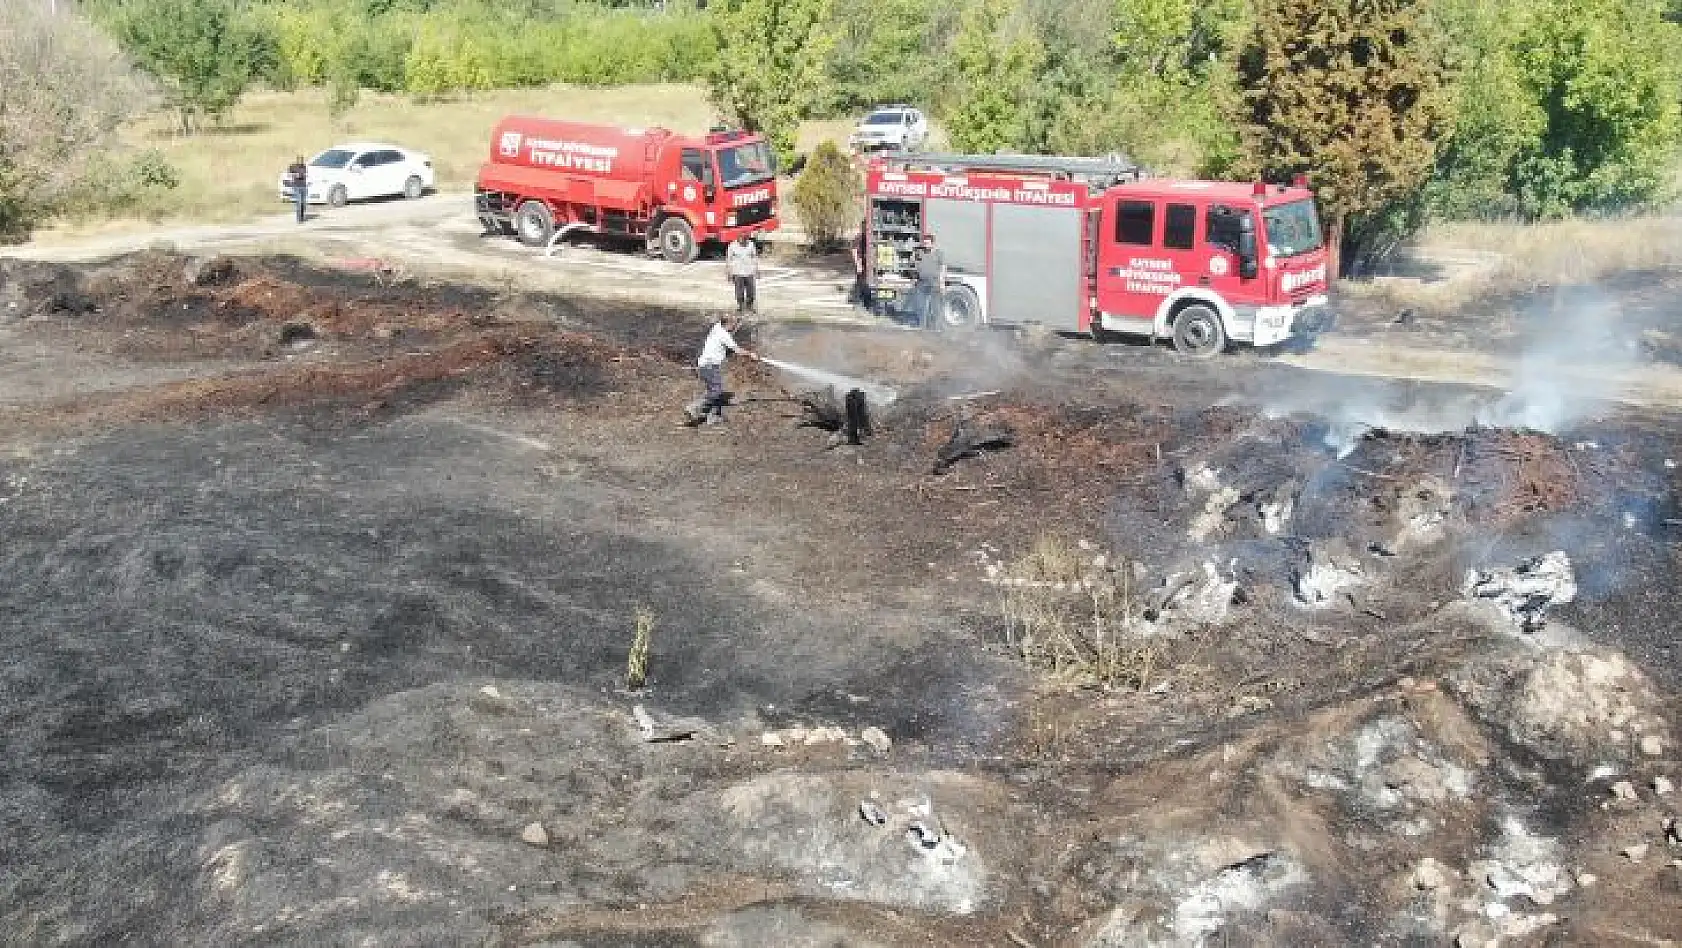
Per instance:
(1580,706)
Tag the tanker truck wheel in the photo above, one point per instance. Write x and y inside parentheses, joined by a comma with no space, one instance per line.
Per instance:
(677,241)
(533,224)
(1198,332)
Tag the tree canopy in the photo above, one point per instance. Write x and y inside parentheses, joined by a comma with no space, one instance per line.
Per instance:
(1351,93)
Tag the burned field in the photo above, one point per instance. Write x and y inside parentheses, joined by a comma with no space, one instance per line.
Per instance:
(318,598)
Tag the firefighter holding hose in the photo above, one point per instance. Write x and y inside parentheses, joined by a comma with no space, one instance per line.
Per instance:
(710,367)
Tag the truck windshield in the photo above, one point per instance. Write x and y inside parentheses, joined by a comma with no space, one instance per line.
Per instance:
(336,158)
(1292,229)
(745,164)
(884,118)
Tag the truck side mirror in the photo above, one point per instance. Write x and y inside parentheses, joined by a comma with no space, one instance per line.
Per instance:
(1247,262)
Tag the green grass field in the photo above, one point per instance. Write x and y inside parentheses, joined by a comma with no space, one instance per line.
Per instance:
(228,174)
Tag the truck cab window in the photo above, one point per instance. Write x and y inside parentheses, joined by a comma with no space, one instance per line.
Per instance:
(1180,228)
(696,167)
(1135,222)
(1224,226)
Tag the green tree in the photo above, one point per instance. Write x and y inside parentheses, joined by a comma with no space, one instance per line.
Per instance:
(826,196)
(881,53)
(200,50)
(1497,118)
(1350,92)
(769,72)
(1605,74)
(997,61)
(1172,38)
(447,57)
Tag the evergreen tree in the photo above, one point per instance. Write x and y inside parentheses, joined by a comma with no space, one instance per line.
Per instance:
(1350,92)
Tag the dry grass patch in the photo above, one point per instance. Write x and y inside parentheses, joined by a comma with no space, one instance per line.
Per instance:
(1075,617)
(228,173)
(1498,258)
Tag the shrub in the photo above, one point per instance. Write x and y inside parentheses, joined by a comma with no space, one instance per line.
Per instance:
(63,89)
(826,196)
(151,170)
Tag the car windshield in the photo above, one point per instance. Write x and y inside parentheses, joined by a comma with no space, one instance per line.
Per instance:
(1292,229)
(336,158)
(745,164)
(884,118)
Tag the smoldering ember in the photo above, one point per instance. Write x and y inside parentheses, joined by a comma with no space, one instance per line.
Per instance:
(341,613)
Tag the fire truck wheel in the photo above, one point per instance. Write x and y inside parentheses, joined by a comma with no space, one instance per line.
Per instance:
(533,224)
(1099,334)
(1198,332)
(677,241)
(961,309)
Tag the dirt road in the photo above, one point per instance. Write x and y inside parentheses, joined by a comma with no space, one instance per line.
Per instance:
(1595,345)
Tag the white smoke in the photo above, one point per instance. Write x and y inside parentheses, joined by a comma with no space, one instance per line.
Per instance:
(1572,365)
(1573,354)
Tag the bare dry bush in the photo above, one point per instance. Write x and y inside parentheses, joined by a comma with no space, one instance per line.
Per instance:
(1076,618)
(636,660)
(64,88)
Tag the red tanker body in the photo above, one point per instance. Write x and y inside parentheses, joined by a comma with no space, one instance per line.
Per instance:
(546,178)
(1091,245)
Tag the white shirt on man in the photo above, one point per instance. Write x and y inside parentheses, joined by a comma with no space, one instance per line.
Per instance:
(713,350)
(742,258)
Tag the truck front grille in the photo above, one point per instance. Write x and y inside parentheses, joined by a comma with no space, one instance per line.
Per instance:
(753,213)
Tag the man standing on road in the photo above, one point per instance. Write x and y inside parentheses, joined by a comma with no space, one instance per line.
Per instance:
(298,177)
(742,261)
(710,367)
(931,282)
(861,283)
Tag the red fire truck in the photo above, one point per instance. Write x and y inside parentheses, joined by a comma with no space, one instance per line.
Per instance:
(1092,245)
(547,178)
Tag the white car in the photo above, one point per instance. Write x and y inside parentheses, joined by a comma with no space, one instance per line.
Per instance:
(358,170)
(899,127)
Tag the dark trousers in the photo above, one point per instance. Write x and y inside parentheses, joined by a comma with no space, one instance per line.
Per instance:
(300,197)
(747,297)
(713,377)
(860,294)
(923,304)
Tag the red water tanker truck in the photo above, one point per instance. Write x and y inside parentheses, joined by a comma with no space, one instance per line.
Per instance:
(547,178)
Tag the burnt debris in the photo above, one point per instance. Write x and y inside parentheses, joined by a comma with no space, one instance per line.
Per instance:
(847,421)
(969,441)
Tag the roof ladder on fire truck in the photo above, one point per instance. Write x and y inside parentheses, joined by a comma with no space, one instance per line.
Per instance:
(1096,172)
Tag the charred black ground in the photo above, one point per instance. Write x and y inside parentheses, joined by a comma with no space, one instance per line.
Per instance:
(251,608)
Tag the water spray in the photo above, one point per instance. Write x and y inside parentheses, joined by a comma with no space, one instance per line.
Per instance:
(879,394)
